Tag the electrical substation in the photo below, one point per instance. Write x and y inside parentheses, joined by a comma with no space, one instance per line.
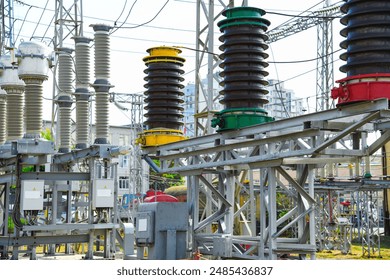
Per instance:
(254,186)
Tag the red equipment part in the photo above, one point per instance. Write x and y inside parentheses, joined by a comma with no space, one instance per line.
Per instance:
(161,198)
(362,88)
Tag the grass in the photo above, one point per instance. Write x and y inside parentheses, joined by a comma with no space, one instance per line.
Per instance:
(356,252)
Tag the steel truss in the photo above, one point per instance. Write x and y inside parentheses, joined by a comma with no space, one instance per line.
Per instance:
(138,171)
(369,211)
(286,153)
(333,226)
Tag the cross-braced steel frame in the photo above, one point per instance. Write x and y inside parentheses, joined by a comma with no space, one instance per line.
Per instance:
(286,153)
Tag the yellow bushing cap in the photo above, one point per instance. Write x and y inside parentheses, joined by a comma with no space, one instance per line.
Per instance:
(157,137)
(163,54)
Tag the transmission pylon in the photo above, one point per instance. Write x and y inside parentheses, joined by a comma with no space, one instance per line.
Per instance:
(68,24)
(325,74)
(6,26)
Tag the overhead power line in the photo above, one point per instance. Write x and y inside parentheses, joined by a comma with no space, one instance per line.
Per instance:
(302,61)
(128,14)
(142,24)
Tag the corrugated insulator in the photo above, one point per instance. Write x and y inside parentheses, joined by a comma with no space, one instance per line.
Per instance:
(3,116)
(101,84)
(367,35)
(243,58)
(33,113)
(64,100)
(102,51)
(164,89)
(15,105)
(82,119)
(82,61)
(82,93)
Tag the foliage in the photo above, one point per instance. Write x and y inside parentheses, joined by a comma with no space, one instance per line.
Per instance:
(357,252)
(165,179)
(46,134)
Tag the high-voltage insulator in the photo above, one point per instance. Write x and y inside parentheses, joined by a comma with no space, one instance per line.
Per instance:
(10,82)
(34,62)
(243,62)
(3,116)
(367,53)
(101,84)
(82,93)
(164,96)
(64,98)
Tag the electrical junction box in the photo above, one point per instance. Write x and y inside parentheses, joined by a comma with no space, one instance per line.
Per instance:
(145,228)
(103,193)
(32,195)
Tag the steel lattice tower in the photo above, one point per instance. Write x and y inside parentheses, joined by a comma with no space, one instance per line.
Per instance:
(6,26)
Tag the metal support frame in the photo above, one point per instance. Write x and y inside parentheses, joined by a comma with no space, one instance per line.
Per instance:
(369,211)
(287,154)
(69,199)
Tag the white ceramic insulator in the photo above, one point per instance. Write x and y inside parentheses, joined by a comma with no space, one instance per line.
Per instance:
(65,127)
(33,107)
(65,89)
(3,116)
(14,112)
(82,119)
(82,58)
(65,73)
(102,111)
(102,55)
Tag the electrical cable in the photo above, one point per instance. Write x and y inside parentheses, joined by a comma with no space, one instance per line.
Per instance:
(142,24)
(302,61)
(47,29)
(304,73)
(124,7)
(196,50)
(278,90)
(128,14)
(24,20)
(43,12)
(284,23)
(303,16)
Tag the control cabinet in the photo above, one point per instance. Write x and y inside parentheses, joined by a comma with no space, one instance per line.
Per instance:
(32,195)
(161,230)
(103,193)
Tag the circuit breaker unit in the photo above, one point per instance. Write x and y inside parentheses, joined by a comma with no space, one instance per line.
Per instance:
(161,230)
